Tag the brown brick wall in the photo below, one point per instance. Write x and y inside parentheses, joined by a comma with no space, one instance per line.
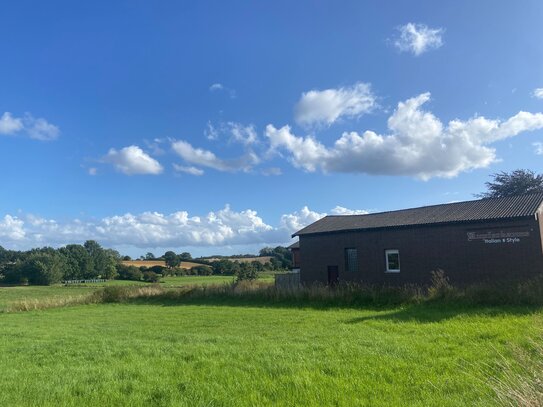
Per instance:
(423,249)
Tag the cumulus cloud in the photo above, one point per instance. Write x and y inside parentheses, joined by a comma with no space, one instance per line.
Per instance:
(340,210)
(299,219)
(133,160)
(11,228)
(418,144)
(188,170)
(538,148)
(418,38)
(221,228)
(324,107)
(206,158)
(538,93)
(37,129)
(10,125)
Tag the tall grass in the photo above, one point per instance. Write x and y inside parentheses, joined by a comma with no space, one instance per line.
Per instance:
(521,382)
(347,294)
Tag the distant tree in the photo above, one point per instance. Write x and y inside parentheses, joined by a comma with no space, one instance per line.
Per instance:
(171,259)
(201,270)
(246,274)
(127,258)
(43,268)
(128,273)
(185,256)
(517,182)
(149,256)
(79,263)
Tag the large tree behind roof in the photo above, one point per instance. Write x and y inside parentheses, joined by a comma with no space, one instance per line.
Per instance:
(517,182)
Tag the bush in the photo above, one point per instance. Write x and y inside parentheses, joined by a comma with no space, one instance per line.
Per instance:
(128,273)
(440,287)
(201,270)
(151,277)
(178,271)
(246,274)
(160,270)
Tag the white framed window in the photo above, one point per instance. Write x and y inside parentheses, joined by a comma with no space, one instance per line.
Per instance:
(392,258)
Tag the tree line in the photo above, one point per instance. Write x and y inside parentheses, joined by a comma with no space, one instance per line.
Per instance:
(47,265)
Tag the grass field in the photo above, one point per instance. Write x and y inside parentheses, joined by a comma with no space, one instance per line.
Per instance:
(205,353)
(9,295)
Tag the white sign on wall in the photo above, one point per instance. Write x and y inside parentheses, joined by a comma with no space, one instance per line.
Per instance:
(497,237)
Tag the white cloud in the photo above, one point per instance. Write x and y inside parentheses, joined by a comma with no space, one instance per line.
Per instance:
(188,170)
(418,38)
(211,132)
(340,210)
(11,228)
(37,129)
(40,129)
(221,228)
(93,171)
(299,219)
(205,158)
(538,148)
(272,171)
(538,93)
(217,87)
(418,144)
(324,107)
(237,132)
(10,125)
(243,134)
(133,160)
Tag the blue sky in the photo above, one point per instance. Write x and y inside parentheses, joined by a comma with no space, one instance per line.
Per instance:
(157,125)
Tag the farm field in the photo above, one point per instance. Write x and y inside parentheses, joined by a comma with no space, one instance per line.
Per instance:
(9,295)
(228,354)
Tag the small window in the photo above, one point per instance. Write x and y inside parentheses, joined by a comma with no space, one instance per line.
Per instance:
(351,260)
(392,257)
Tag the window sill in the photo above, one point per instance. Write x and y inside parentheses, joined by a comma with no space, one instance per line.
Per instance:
(392,271)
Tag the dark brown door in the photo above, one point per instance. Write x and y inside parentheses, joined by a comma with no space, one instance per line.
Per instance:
(333,275)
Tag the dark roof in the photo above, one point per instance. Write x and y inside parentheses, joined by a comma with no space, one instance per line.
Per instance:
(295,245)
(468,211)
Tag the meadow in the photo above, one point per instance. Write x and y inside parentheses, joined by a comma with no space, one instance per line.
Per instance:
(207,351)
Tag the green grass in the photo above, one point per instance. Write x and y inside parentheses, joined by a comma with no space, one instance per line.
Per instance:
(9,295)
(202,353)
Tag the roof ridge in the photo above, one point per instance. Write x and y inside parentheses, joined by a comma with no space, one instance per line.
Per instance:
(508,207)
(442,204)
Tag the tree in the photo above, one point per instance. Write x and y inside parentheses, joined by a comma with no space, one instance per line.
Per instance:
(43,268)
(517,182)
(149,256)
(185,256)
(171,259)
(79,263)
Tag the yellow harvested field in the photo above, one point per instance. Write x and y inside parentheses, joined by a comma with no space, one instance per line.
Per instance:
(162,263)
(262,259)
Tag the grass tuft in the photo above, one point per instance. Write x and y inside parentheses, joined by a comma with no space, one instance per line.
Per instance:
(521,381)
